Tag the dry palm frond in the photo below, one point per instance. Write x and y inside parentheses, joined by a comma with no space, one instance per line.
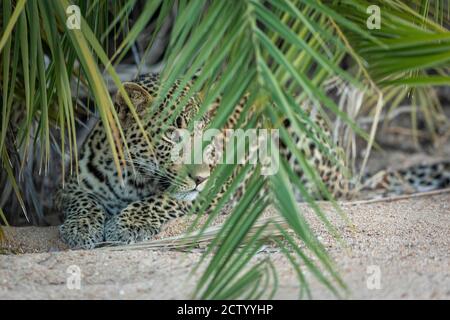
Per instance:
(200,239)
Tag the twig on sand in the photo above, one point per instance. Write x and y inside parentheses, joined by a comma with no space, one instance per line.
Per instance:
(399,197)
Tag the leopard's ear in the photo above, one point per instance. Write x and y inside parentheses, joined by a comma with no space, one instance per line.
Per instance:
(140,98)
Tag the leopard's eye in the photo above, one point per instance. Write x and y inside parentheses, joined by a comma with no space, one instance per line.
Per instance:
(172,135)
(180,122)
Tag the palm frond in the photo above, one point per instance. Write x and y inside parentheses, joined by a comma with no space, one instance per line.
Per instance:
(282,52)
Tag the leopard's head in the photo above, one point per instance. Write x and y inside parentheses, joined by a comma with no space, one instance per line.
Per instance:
(156,156)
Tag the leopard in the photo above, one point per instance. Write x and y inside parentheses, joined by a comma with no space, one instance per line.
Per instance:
(104,205)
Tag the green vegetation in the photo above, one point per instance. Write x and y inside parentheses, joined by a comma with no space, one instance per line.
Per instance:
(281,51)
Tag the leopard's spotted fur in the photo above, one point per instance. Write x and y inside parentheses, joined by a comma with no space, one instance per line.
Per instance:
(98,206)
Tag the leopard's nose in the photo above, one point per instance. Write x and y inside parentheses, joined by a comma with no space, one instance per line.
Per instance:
(199,174)
(198,180)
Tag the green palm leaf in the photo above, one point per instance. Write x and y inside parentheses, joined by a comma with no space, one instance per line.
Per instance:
(280,51)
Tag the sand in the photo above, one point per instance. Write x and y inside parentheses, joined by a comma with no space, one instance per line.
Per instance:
(406,242)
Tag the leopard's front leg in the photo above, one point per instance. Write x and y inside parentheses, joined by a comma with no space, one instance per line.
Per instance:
(84,220)
(141,220)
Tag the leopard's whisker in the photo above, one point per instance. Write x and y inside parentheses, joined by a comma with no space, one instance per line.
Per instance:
(147,168)
(177,181)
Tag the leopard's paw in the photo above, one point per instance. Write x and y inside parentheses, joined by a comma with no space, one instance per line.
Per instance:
(120,231)
(81,234)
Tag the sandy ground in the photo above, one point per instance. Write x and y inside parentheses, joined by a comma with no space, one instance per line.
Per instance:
(405,242)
